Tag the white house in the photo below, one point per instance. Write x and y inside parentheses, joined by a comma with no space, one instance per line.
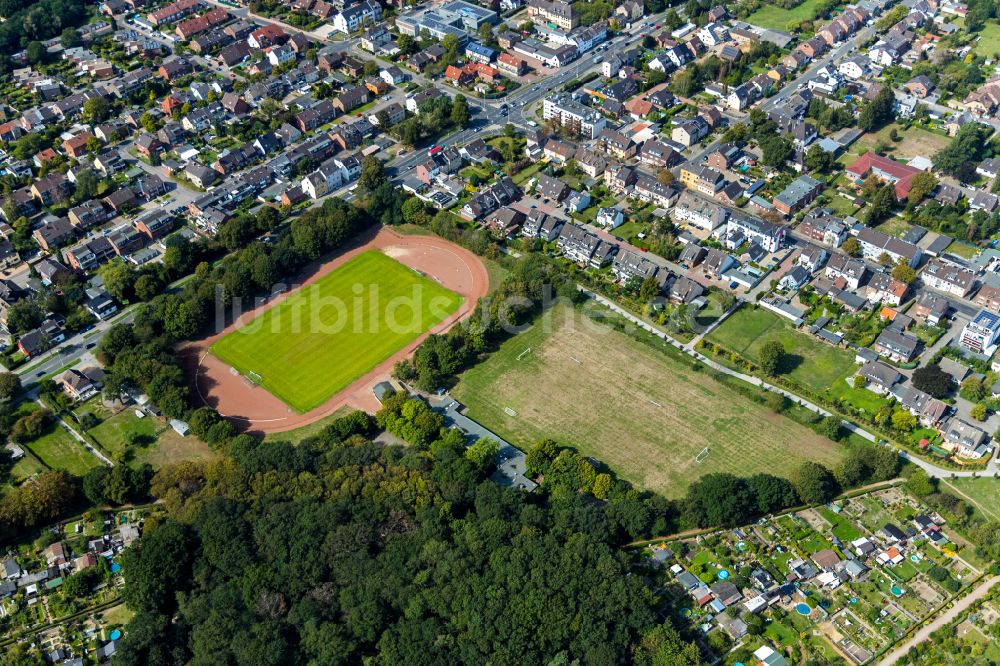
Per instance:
(854,68)
(355,16)
(609,217)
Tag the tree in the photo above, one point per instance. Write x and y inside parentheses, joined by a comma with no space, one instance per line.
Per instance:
(86,186)
(878,112)
(967,148)
(880,205)
(649,290)
(450,43)
(903,420)
(972,389)
(95,110)
(818,159)
(814,483)
(147,286)
(36,53)
(148,122)
(372,173)
(776,402)
(921,186)
(903,272)
(159,566)
(69,37)
(119,278)
(772,354)
(10,384)
(775,150)
(979,411)
(460,110)
(852,471)
(931,379)
(719,499)
(852,247)
(665,176)
(483,453)
(602,486)
(772,493)
(664,647)
(830,427)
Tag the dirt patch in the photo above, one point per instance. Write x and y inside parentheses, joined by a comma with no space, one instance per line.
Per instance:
(252,408)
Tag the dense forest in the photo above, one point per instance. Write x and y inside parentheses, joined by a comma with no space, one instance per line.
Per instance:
(340,550)
(28,21)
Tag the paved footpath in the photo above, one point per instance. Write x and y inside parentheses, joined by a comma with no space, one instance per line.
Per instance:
(940,621)
(930,468)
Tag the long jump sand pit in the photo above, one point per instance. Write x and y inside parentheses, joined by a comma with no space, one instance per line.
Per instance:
(253,408)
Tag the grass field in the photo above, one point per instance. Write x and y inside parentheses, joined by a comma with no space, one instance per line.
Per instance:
(644,413)
(816,365)
(984,493)
(111,433)
(989,40)
(912,142)
(330,333)
(57,449)
(776,18)
(161,445)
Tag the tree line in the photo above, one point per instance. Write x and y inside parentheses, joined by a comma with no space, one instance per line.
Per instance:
(341,550)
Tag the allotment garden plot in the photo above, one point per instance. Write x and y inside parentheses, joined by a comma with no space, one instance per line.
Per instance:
(309,347)
(646,414)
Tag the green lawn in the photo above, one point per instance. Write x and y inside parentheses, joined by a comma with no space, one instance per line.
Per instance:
(776,18)
(989,40)
(26,467)
(644,412)
(330,333)
(815,365)
(843,528)
(158,444)
(984,492)
(962,250)
(111,433)
(862,399)
(57,449)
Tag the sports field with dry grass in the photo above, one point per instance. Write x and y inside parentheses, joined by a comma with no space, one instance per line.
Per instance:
(644,413)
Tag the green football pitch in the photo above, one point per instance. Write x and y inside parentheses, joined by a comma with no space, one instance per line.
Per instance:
(331,332)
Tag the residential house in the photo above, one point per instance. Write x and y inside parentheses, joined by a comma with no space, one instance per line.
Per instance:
(843,268)
(896,345)
(885,289)
(948,278)
(703,179)
(879,377)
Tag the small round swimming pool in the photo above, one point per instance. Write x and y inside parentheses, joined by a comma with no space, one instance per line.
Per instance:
(914,558)
(741,546)
(723,574)
(896,591)
(115,567)
(803,609)
(686,612)
(115,635)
